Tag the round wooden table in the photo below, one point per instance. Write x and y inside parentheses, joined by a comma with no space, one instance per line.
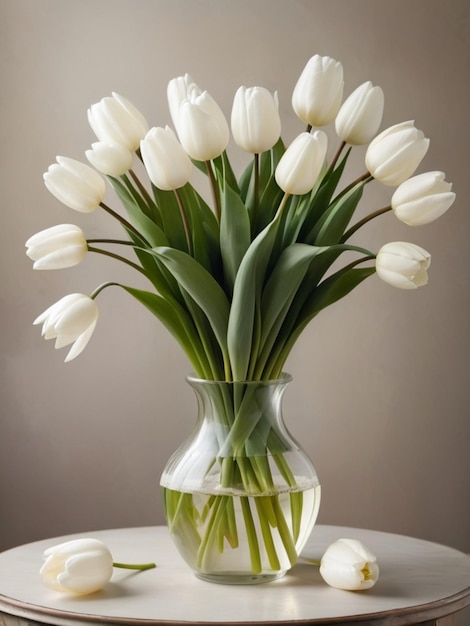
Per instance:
(420,583)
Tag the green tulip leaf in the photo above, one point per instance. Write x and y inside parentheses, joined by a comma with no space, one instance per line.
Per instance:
(320,199)
(202,288)
(235,233)
(330,227)
(283,284)
(177,322)
(246,295)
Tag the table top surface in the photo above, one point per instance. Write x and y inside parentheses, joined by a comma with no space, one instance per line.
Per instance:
(418,580)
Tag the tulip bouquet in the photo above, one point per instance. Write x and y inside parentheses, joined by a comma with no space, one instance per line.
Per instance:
(237,278)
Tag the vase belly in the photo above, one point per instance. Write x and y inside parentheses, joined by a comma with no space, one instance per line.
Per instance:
(240,496)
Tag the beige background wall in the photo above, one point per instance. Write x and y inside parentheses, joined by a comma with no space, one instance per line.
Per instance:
(380,398)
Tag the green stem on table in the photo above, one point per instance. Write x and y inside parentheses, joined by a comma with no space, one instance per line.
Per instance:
(311,561)
(142,566)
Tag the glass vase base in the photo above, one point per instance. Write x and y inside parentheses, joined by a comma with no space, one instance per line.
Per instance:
(229,578)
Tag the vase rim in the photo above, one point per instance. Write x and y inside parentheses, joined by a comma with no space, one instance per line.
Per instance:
(284,378)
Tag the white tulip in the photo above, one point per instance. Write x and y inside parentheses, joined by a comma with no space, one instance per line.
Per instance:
(317,96)
(57,247)
(255,121)
(111,159)
(422,198)
(394,155)
(167,164)
(202,128)
(348,564)
(71,320)
(80,566)
(403,265)
(116,120)
(302,163)
(75,184)
(360,115)
(180,89)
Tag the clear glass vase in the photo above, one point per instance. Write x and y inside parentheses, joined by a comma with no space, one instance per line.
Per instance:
(240,495)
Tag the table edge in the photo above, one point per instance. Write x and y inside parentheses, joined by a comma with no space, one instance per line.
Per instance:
(431,610)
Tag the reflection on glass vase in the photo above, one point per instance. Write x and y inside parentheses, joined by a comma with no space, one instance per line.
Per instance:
(240,495)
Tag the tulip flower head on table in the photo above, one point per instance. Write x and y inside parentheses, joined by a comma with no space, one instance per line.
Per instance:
(347,564)
(81,566)
(236,280)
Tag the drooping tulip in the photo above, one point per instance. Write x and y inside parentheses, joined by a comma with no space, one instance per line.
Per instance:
(57,247)
(394,155)
(348,564)
(422,198)
(255,121)
(317,96)
(77,185)
(302,163)
(80,566)
(71,320)
(167,164)
(202,128)
(111,159)
(116,120)
(360,115)
(403,265)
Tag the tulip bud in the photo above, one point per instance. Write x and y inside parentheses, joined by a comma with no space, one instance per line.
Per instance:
(80,566)
(180,89)
(57,247)
(302,163)
(360,115)
(348,564)
(256,125)
(75,184)
(202,128)
(167,164)
(70,320)
(394,155)
(116,120)
(111,159)
(318,93)
(422,199)
(403,265)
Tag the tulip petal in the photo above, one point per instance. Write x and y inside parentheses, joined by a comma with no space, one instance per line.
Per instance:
(80,343)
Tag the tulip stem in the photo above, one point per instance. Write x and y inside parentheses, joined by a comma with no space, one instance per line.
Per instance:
(184,218)
(121,242)
(99,289)
(113,255)
(140,187)
(312,561)
(364,220)
(123,221)
(141,566)
(337,155)
(215,191)
(256,173)
(282,204)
